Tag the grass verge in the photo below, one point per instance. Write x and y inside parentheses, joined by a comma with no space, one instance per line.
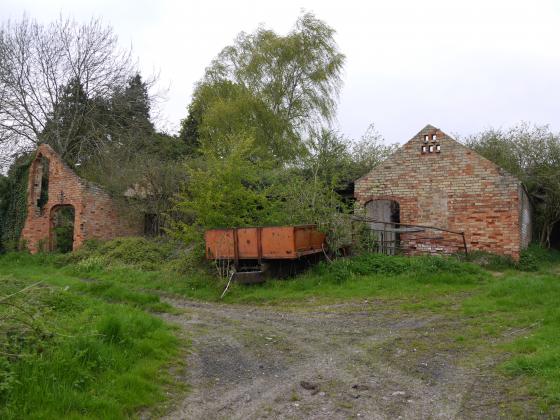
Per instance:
(73,348)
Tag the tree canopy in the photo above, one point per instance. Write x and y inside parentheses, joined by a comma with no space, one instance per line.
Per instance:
(44,66)
(280,86)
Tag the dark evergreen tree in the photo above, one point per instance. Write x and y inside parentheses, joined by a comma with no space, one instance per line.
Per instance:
(65,129)
(131,109)
(188,132)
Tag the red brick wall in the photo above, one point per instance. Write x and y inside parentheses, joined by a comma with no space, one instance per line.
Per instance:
(96,214)
(455,189)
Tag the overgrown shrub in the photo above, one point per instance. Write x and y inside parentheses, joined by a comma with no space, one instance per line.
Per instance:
(490,261)
(531,259)
(535,256)
(423,267)
(142,253)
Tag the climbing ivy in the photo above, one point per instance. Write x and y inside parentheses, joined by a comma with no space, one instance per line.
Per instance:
(13,203)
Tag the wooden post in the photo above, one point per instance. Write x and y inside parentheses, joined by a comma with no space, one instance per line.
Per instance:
(465,244)
(235,248)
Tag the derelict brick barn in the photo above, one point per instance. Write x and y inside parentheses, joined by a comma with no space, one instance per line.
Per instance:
(53,190)
(434,180)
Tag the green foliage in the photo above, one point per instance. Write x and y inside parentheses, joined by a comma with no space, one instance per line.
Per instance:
(141,252)
(537,257)
(63,229)
(368,152)
(528,261)
(13,203)
(130,108)
(67,353)
(239,188)
(297,75)
(270,87)
(337,161)
(533,258)
(166,147)
(223,191)
(490,261)
(83,127)
(344,269)
(226,110)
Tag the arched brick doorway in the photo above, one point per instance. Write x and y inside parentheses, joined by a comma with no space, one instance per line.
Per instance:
(62,228)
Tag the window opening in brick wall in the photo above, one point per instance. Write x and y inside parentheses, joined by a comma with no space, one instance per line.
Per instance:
(426,138)
(43,196)
(62,228)
(424,149)
(431,148)
(438,148)
(434,137)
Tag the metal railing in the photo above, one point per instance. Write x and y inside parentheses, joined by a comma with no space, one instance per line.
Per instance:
(401,238)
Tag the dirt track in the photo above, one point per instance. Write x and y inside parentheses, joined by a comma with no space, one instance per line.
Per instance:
(328,362)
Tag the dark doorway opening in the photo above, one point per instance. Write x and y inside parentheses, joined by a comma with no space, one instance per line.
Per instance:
(62,228)
(555,236)
(386,215)
(151,225)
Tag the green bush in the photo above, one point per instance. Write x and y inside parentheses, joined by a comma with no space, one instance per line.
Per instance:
(140,252)
(536,256)
(143,253)
(531,259)
(422,267)
(491,261)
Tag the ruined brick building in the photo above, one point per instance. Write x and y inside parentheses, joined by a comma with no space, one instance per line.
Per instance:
(57,198)
(434,180)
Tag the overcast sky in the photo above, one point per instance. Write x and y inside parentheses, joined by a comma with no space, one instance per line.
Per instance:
(460,65)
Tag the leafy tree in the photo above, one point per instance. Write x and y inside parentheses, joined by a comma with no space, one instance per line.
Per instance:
(368,152)
(297,75)
(229,110)
(280,87)
(223,191)
(337,161)
(532,153)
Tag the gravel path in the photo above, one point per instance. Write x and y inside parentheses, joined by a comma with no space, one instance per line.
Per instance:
(320,363)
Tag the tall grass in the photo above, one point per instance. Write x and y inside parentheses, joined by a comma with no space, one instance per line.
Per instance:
(66,351)
(370,276)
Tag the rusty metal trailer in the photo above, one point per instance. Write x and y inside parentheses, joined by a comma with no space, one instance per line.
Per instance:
(252,250)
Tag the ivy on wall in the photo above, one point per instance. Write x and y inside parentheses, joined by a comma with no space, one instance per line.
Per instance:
(13,203)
